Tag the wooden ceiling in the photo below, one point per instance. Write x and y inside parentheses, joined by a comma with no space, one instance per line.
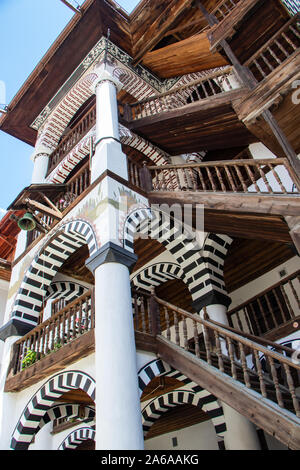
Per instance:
(247,259)
(180,417)
(205,125)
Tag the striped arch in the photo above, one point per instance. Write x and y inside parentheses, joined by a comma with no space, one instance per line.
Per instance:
(202,268)
(214,253)
(202,399)
(151,370)
(66,410)
(134,84)
(41,406)
(65,289)
(63,113)
(66,240)
(156,274)
(82,149)
(163,228)
(208,402)
(77,437)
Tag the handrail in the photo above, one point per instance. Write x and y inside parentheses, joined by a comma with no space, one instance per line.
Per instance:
(266,161)
(282,46)
(209,76)
(206,87)
(224,176)
(227,350)
(247,339)
(67,324)
(273,307)
(218,9)
(74,136)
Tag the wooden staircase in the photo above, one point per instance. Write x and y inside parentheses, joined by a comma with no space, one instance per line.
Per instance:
(228,363)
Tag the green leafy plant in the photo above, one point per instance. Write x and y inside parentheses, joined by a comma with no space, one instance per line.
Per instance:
(57,345)
(29,359)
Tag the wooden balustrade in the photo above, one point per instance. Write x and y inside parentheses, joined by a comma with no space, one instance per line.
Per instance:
(66,325)
(73,137)
(224,9)
(205,87)
(142,316)
(269,176)
(231,352)
(277,50)
(271,309)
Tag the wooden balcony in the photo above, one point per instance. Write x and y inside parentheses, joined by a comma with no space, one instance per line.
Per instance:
(272,314)
(228,15)
(241,198)
(72,138)
(64,338)
(68,335)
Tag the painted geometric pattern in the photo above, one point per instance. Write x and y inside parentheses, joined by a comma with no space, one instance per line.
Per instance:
(34,414)
(202,399)
(62,115)
(65,289)
(202,269)
(214,253)
(75,438)
(156,274)
(82,149)
(195,396)
(47,262)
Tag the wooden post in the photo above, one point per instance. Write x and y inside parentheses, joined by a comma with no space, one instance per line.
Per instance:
(294,226)
(145,178)
(155,314)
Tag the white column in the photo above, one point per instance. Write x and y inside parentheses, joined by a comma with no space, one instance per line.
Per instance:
(108,150)
(8,420)
(118,409)
(241,433)
(40,159)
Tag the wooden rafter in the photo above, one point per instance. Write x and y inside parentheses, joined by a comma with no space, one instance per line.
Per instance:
(157,29)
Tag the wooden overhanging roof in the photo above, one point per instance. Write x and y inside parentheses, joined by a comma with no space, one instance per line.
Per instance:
(154,24)
(9,231)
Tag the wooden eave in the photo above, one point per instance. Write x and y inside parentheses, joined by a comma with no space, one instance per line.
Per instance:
(60,61)
(128,32)
(34,191)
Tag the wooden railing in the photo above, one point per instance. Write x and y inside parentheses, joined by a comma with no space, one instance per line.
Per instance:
(224,9)
(271,309)
(276,51)
(74,188)
(60,329)
(206,87)
(73,137)
(228,350)
(243,176)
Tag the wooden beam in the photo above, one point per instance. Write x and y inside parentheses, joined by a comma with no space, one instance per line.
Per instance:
(44,209)
(186,56)
(158,28)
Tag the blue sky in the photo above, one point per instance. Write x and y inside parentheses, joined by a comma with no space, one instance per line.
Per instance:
(28,28)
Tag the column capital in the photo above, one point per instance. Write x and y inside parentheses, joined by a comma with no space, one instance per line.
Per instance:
(111,253)
(40,150)
(106,75)
(211,298)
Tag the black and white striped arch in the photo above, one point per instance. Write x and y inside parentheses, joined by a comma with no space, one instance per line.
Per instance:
(75,438)
(33,290)
(42,405)
(201,267)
